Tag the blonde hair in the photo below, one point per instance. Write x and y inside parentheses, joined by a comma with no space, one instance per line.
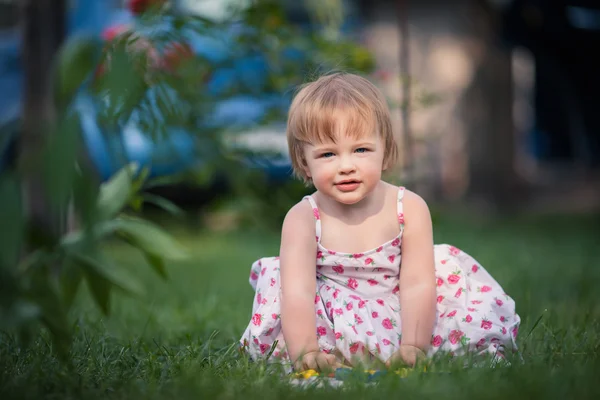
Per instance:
(318,107)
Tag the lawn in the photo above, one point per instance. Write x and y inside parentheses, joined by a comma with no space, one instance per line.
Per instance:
(176,341)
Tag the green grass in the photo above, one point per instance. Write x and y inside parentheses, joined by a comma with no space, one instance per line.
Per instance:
(177,340)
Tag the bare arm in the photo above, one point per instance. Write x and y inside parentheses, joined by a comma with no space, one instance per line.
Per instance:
(298,281)
(417,274)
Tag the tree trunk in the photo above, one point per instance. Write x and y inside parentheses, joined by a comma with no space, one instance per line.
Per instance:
(43,27)
(488,112)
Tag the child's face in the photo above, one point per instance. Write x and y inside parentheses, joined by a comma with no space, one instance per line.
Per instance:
(347,170)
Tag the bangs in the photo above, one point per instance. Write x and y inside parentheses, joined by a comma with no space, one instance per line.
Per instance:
(327,121)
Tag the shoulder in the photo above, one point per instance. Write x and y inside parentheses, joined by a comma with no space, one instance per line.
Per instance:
(416,211)
(299,219)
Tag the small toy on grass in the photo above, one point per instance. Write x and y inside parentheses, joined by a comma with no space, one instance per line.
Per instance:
(345,373)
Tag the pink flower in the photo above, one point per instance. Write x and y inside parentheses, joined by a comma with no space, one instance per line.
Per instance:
(358,319)
(454,251)
(368,261)
(387,323)
(257,319)
(396,289)
(440,298)
(319,254)
(262,271)
(515,330)
(316,213)
(502,319)
(480,343)
(499,302)
(485,324)
(468,318)
(374,314)
(349,306)
(353,347)
(338,268)
(275,316)
(485,289)
(352,283)
(379,249)
(253,276)
(357,255)
(369,333)
(503,330)
(440,282)
(458,293)
(372,282)
(436,341)
(339,311)
(455,336)
(396,242)
(471,309)
(386,342)
(474,268)
(336,293)
(258,298)
(338,335)
(361,304)
(317,299)
(476,301)
(391,258)
(328,304)
(268,333)
(401,218)
(451,314)
(264,347)
(453,278)
(321,331)
(380,302)
(273,281)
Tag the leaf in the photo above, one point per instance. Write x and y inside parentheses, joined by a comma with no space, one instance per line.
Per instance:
(71,277)
(13,224)
(163,203)
(158,264)
(115,193)
(101,274)
(151,239)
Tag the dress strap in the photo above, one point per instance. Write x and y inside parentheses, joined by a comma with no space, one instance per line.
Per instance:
(400,208)
(315,210)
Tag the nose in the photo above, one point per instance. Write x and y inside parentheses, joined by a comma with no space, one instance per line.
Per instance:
(346,165)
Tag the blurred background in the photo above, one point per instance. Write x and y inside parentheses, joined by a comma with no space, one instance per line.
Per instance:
(493,101)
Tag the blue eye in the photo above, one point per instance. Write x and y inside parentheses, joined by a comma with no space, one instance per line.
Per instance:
(327,155)
(361,150)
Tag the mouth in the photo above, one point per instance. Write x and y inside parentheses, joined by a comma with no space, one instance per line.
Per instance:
(348,182)
(348,185)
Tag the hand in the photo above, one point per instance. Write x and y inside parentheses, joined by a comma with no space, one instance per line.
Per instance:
(317,360)
(406,354)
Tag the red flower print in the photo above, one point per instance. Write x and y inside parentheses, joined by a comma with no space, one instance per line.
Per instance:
(436,341)
(321,331)
(451,314)
(349,306)
(379,249)
(258,298)
(354,347)
(317,299)
(357,255)
(368,261)
(471,309)
(316,213)
(354,297)
(268,333)
(396,242)
(499,302)
(255,340)
(338,268)
(328,304)
(372,282)
(474,268)
(361,304)
(485,324)
(396,289)
(336,293)
(468,318)
(253,276)
(380,302)
(262,271)
(320,312)
(391,258)
(502,319)
(319,254)
(374,314)
(387,323)
(503,330)
(455,336)
(339,311)
(454,251)
(440,298)
(275,316)
(458,293)
(370,333)
(273,281)
(440,282)
(476,301)
(264,347)
(352,283)
(386,342)
(257,319)
(401,218)
(338,335)
(484,289)
(358,319)
(331,252)
(515,331)
(480,343)
(453,278)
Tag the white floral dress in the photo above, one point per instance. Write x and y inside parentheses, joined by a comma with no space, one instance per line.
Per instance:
(358,308)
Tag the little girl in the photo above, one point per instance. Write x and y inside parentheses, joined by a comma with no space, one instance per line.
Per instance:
(358,276)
